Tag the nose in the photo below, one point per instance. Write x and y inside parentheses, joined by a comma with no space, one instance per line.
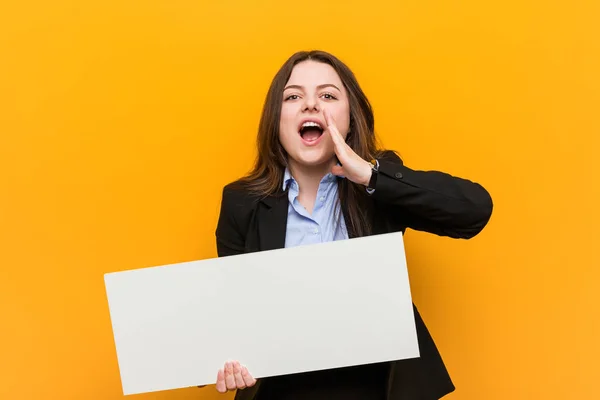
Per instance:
(311,104)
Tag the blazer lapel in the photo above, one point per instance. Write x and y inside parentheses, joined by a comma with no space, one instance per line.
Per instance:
(272,222)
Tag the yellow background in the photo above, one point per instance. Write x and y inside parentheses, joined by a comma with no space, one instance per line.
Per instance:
(120,121)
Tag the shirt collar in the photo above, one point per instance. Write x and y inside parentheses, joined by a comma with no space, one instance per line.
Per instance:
(287,178)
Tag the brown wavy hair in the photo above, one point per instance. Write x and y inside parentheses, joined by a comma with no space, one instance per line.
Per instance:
(266,177)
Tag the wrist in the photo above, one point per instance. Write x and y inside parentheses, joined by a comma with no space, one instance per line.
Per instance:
(373,177)
(366,176)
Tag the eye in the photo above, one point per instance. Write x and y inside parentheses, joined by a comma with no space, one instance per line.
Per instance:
(292,97)
(329,96)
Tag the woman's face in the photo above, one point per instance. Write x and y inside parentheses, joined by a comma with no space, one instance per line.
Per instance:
(312,87)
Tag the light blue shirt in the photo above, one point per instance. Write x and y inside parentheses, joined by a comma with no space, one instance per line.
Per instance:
(322,225)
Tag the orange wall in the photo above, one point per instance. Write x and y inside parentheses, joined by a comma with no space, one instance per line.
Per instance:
(120,122)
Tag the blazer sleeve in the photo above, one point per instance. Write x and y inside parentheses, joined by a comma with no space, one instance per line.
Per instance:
(431,201)
(230,240)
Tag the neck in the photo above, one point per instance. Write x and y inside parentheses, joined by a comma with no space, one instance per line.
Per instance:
(309,177)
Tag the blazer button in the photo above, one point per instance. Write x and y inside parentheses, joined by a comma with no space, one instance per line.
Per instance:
(398,175)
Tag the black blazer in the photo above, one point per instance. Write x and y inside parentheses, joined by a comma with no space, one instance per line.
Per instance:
(429,201)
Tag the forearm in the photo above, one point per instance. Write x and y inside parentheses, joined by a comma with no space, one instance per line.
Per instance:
(432,201)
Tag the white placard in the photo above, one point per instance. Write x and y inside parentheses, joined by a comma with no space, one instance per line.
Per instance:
(282,311)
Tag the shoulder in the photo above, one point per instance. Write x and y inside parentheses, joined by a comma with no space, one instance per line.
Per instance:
(237,197)
(389,155)
(238,205)
(389,160)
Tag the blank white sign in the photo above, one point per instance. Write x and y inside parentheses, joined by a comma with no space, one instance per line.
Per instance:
(282,311)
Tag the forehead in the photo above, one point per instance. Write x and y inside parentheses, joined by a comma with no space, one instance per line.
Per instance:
(312,73)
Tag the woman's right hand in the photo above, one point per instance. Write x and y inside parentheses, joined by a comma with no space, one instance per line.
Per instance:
(234,376)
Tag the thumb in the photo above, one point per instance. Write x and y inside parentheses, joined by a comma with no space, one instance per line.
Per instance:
(220,385)
(337,170)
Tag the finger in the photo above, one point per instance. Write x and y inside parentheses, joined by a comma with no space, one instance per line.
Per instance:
(337,170)
(229,378)
(341,147)
(332,127)
(221,382)
(328,117)
(237,373)
(248,379)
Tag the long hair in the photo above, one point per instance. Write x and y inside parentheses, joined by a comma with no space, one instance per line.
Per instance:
(266,177)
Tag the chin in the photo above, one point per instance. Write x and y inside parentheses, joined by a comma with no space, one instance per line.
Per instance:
(312,160)
(299,153)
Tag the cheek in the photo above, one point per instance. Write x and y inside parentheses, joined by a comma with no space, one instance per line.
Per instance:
(286,128)
(286,120)
(342,118)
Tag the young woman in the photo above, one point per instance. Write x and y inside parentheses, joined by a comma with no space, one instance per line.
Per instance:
(319,176)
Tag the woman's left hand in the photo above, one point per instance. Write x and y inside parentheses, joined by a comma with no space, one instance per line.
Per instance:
(353,166)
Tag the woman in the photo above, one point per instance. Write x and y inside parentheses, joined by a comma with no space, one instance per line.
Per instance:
(319,176)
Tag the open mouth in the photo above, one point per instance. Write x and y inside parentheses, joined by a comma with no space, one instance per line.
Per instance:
(311,131)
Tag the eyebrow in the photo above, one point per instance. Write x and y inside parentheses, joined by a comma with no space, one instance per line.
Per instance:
(318,87)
